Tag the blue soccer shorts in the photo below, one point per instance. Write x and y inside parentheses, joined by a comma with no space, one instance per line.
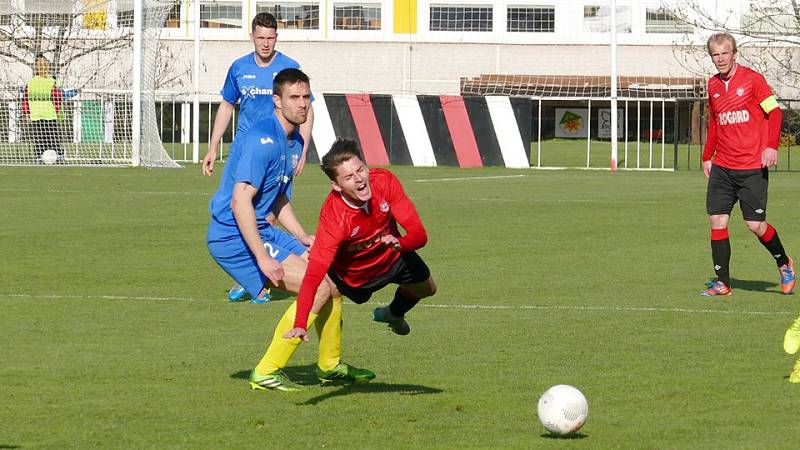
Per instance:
(238,261)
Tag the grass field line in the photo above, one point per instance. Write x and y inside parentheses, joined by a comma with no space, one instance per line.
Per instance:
(489,177)
(641,309)
(571,200)
(66,191)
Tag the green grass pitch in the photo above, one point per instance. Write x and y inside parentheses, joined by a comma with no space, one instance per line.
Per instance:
(116,332)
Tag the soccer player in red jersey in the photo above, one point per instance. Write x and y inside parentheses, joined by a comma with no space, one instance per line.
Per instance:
(743,134)
(358,243)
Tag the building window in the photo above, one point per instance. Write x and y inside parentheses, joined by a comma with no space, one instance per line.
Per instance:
(125,18)
(597,19)
(220,14)
(302,16)
(535,19)
(40,20)
(348,16)
(461,18)
(173,19)
(660,20)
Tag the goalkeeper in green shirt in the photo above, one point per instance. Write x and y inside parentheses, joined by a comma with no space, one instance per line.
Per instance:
(41,102)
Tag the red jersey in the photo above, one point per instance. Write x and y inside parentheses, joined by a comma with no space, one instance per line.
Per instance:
(348,238)
(737,125)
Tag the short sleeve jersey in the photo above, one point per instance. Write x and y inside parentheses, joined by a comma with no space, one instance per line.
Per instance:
(739,108)
(251,85)
(266,161)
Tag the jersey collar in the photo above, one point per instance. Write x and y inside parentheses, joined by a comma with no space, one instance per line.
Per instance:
(347,202)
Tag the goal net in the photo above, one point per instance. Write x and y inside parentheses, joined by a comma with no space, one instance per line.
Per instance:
(75,89)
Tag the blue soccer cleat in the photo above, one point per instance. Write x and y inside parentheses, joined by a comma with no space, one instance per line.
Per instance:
(263,297)
(237,293)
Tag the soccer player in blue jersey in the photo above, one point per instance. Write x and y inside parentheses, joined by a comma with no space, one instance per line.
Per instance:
(249,82)
(255,184)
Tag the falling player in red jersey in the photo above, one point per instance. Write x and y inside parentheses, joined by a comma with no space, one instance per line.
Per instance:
(358,243)
(744,128)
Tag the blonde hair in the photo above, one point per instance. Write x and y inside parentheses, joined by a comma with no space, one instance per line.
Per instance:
(717,38)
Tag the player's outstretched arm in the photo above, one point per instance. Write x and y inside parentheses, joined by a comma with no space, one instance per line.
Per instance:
(223,117)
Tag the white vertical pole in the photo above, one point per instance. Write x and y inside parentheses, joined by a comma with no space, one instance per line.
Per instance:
(589,135)
(614,136)
(663,130)
(76,122)
(626,134)
(638,132)
(13,120)
(651,135)
(136,151)
(196,79)
(539,137)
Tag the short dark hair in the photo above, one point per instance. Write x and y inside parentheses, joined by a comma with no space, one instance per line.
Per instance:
(342,150)
(288,76)
(264,19)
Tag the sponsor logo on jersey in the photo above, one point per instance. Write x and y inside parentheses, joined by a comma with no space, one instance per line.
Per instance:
(267,140)
(384,206)
(249,77)
(253,91)
(355,231)
(733,117)
(740,92)
(368,243)
(716,95)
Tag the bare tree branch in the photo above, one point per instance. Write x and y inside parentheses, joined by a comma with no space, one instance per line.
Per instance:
(768,34)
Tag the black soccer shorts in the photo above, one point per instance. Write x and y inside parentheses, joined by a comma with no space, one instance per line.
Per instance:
(408,269)
(749,187)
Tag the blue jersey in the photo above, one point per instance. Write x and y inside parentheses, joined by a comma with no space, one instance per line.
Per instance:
(251,85)
(266,160)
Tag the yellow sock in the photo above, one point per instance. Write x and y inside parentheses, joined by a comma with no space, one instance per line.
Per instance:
(329,328)
(280,350)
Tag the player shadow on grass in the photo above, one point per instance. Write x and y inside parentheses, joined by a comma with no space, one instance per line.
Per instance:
(372,387)
(755,286)
(307,376)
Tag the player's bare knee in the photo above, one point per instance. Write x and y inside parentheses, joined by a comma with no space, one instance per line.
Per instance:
(431,288)
(758,228)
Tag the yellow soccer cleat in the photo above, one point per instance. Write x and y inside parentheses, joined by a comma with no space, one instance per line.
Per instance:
(794,377)
(276,380)
(791,340)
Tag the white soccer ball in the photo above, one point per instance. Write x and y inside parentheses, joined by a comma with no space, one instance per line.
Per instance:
(563,409)
(49,157)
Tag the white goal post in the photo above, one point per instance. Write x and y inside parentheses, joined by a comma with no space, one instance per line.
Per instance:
(79,81)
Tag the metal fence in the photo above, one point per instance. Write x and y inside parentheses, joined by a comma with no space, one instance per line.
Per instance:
(654,134)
